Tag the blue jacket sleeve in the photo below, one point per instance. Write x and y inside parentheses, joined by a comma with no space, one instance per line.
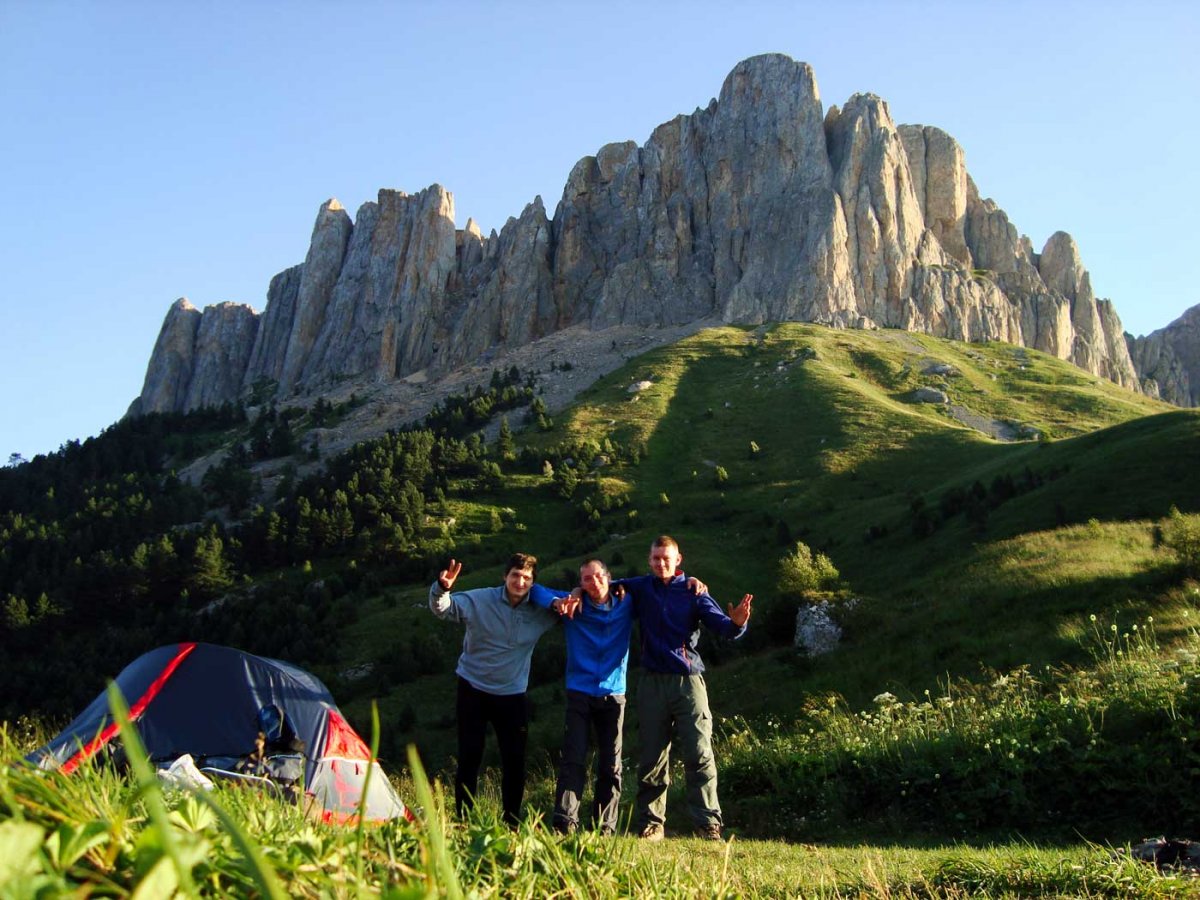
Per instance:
(541,596)
(716,620)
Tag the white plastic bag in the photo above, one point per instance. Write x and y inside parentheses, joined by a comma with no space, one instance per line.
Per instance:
(182,773)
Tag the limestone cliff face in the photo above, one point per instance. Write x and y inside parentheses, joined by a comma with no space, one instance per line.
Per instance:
(759,207)
(200,358)
(318,279)
(224,342)
(171,364)
(502,289)
(1169,360)
(274,330)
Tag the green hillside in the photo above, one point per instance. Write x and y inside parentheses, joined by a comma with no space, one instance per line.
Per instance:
(960,556)
(964,554)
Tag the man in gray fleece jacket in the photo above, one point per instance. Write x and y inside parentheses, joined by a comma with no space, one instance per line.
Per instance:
(493,673)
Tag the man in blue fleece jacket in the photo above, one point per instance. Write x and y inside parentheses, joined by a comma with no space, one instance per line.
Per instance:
(597,655)
(671,693)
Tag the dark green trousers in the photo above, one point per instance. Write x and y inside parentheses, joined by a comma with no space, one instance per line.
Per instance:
(675,706)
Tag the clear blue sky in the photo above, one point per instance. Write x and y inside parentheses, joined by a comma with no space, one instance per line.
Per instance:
(156,150)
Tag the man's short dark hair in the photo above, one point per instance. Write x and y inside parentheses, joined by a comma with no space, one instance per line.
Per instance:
(665,540)
(598,562)
(521,562)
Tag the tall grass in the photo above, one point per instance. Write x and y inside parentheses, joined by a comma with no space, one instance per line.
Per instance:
(102,831)
(94,834)
(1059,751)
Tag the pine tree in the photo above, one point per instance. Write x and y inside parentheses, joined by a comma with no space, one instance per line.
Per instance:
(504,443)
(211,572)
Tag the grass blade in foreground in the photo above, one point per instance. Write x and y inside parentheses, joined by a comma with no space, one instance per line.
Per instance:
(435,828)
(149,788)
(362,801)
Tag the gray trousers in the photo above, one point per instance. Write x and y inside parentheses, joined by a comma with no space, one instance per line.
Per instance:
(679,704)
(606,715)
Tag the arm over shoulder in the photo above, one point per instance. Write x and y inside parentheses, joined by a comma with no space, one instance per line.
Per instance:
(542,597)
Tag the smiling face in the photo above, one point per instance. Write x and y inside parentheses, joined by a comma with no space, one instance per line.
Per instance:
(664,560)
(593,578)
(517,583)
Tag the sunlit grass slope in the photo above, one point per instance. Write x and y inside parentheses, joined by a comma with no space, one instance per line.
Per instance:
(820,440)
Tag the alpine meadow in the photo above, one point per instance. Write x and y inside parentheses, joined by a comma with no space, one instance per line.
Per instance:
(995,553)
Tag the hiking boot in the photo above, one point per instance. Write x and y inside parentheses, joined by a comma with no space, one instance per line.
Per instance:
(710,832)
(653,832)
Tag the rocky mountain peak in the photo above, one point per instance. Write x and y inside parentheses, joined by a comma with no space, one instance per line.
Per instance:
(757,207)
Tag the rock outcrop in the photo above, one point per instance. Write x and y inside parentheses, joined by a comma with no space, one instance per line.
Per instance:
(224,342)
(172,362)
(759,207)
(199,358)
(1168,360)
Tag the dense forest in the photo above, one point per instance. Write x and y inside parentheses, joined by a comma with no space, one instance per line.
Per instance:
(105,552)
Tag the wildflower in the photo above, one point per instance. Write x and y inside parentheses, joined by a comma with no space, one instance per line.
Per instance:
(1092,617)
(887,698)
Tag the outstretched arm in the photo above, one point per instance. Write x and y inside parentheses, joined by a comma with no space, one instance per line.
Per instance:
(439,592)
(729,622)
(449,575)
(740,614)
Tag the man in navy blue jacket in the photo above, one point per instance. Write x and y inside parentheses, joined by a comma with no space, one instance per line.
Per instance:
(672,696)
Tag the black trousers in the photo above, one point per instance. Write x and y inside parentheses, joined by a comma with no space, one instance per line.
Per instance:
(585,713)
(509,717)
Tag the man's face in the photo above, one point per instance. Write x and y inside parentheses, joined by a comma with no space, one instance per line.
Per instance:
(664,561)
(594,581)
(518,582)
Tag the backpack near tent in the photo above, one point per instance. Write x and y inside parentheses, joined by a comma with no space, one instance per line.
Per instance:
(236,714)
